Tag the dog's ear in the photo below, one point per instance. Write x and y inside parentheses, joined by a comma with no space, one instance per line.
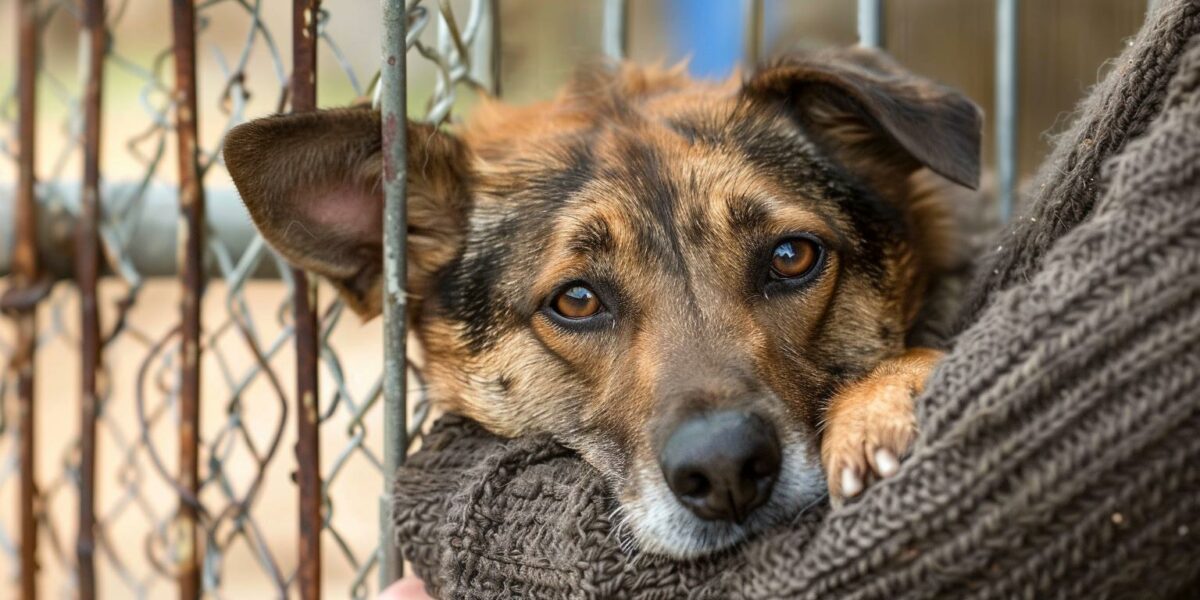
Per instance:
(873,115)
(312,184)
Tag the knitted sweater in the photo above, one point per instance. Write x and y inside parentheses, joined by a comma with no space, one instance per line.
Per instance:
(1059,453)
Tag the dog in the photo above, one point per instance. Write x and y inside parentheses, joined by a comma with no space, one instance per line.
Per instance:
(704,288)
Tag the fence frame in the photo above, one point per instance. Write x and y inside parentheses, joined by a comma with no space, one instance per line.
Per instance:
(21,301)
(87,277)
(306,319)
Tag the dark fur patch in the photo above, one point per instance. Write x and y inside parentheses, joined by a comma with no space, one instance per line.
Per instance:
(577,167)
(592,238)
(468,294)
(638,166)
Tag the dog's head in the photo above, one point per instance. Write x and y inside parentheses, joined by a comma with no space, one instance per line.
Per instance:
(670,277)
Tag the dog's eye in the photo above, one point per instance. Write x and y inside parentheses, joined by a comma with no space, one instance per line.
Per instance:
(794,258)
(576,302)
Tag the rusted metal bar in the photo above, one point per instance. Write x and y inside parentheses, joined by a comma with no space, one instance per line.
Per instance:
(87,270)
(394,107)
(26,272)
(191,209)
(305,303)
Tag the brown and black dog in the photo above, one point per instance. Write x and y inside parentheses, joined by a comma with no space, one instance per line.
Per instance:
(704,288)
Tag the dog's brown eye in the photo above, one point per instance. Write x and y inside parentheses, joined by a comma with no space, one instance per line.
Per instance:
(576,302)
(794,258)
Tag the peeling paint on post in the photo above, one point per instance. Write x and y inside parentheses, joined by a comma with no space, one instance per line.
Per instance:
(305,302)
(87,269)
(394,107)
(191,245)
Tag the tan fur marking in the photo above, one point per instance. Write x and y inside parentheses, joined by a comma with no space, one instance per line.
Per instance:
(874,413)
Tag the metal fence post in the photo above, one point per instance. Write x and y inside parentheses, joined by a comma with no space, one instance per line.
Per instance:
(305,15)
(615,29)
(754,33)
(394,107)
(191,209)
(485,48)
(87,276)
(1006,105)
(26,274)
(870,23)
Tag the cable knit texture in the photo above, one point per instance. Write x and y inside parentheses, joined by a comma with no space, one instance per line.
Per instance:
(1059,453)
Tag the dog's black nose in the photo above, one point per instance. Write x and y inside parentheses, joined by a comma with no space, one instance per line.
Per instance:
(722,465)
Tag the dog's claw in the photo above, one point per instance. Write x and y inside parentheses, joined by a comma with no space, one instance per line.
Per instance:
(886,463)
(870,425)
(852,484)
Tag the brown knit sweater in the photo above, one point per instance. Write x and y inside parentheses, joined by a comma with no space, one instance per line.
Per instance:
(1059,453)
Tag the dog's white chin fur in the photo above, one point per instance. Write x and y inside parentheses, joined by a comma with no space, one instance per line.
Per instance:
(659,524)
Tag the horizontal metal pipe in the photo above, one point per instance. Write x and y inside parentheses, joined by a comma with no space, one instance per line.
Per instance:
(152,228)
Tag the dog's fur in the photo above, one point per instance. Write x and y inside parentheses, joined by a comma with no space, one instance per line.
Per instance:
(666,196)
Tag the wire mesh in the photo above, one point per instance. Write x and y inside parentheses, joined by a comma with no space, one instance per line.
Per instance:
(246,542)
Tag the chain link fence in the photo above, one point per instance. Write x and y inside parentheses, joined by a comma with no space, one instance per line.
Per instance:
(121,458)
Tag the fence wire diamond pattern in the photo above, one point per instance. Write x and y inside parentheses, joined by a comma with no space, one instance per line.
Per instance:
(247,342)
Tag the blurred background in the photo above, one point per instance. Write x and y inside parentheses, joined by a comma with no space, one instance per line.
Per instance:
(244,50)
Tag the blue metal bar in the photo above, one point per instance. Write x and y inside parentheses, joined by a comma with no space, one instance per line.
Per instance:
(870,23)
(615,33)
(394,109)
(1006,105)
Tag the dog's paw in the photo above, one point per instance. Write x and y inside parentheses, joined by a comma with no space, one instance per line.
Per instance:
(871,424)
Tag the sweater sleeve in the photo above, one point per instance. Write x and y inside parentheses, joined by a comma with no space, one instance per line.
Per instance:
(1060,446)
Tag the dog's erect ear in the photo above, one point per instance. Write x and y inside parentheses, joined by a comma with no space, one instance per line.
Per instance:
(872,114)
(312,184)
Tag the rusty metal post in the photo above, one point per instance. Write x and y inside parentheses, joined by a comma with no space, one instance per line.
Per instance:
(394,107)
(191,209)
(305,302)
(87,270)
(26,273)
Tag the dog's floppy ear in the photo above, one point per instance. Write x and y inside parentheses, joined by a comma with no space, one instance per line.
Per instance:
(872,114)
(312,184)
